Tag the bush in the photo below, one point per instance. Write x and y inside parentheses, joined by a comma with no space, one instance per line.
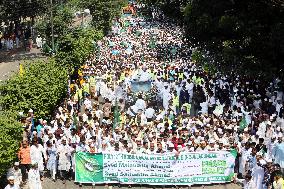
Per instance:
(76,46)
(41,87)
(10,137)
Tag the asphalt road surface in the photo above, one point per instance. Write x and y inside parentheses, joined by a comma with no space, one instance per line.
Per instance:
(49,184)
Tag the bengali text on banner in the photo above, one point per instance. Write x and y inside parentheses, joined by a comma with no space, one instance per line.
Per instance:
(163,169)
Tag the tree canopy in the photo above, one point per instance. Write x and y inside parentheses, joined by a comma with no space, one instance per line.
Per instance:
(243,35)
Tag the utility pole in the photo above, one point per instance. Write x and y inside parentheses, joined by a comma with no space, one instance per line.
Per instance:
(51,21)
(82,21)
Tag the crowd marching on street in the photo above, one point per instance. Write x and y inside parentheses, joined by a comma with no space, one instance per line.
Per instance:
(141,93)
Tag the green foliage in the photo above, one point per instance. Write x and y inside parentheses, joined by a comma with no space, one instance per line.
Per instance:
(252,29)
(241,35)
(102,11)
(62,21)
(14,10)
(41,87)
(10,135)
(76,46)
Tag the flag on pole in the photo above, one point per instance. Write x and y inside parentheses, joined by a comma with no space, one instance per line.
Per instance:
(22,70)
(115,116)
(243,124)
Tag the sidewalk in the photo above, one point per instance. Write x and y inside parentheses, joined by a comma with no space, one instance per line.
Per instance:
(10,60)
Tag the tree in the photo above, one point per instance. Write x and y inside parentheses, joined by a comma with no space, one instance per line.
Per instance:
(62,22)
(76,46)
(10,136)
(103,11)
(241,35)
(40,87)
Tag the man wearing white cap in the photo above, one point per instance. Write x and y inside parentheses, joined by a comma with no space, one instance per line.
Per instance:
(16,173)
(64,159)
(279,152)
(11,183)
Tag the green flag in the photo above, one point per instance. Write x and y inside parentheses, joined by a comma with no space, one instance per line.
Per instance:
(115,115)
(243,124)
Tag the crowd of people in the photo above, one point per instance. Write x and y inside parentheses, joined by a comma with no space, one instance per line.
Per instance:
(16,37)
(176,107)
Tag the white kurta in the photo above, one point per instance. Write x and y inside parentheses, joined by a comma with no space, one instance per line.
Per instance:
(279,154)
(243,160)
(249,185)
(34,179)
(258,176)
(64,157)
(37,153)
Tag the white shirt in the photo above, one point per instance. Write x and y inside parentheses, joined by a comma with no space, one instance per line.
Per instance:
(12,187)
(140,104)
(149,113)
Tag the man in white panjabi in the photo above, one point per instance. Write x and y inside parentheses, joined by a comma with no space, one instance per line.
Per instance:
(258,174)
(34,181)
(37,154)
(16,173)
(64,159)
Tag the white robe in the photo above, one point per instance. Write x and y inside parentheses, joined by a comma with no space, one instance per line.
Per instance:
(140,104)
(34,181)
(166,98)
(36,156)
(249,185)
(243,160)
(258,176)
(64,157)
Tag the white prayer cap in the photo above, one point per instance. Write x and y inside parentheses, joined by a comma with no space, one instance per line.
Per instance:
(269,123)
(63,138)
(16,163)
(104,142)
(280,135)
(138,139)
(52,122)
(258,133)
(11,178)
(220,131)
(211,141)
(269,161)
(34,132)
(262,162)
(189,142)
(44,121)
(171,145)
(226,143)
(259,154)
(31,111)
(246,129)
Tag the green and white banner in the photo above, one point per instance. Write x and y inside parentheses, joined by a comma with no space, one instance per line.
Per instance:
(162,169)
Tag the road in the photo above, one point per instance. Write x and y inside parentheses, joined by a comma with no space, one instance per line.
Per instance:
(49,184)
(10,61)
